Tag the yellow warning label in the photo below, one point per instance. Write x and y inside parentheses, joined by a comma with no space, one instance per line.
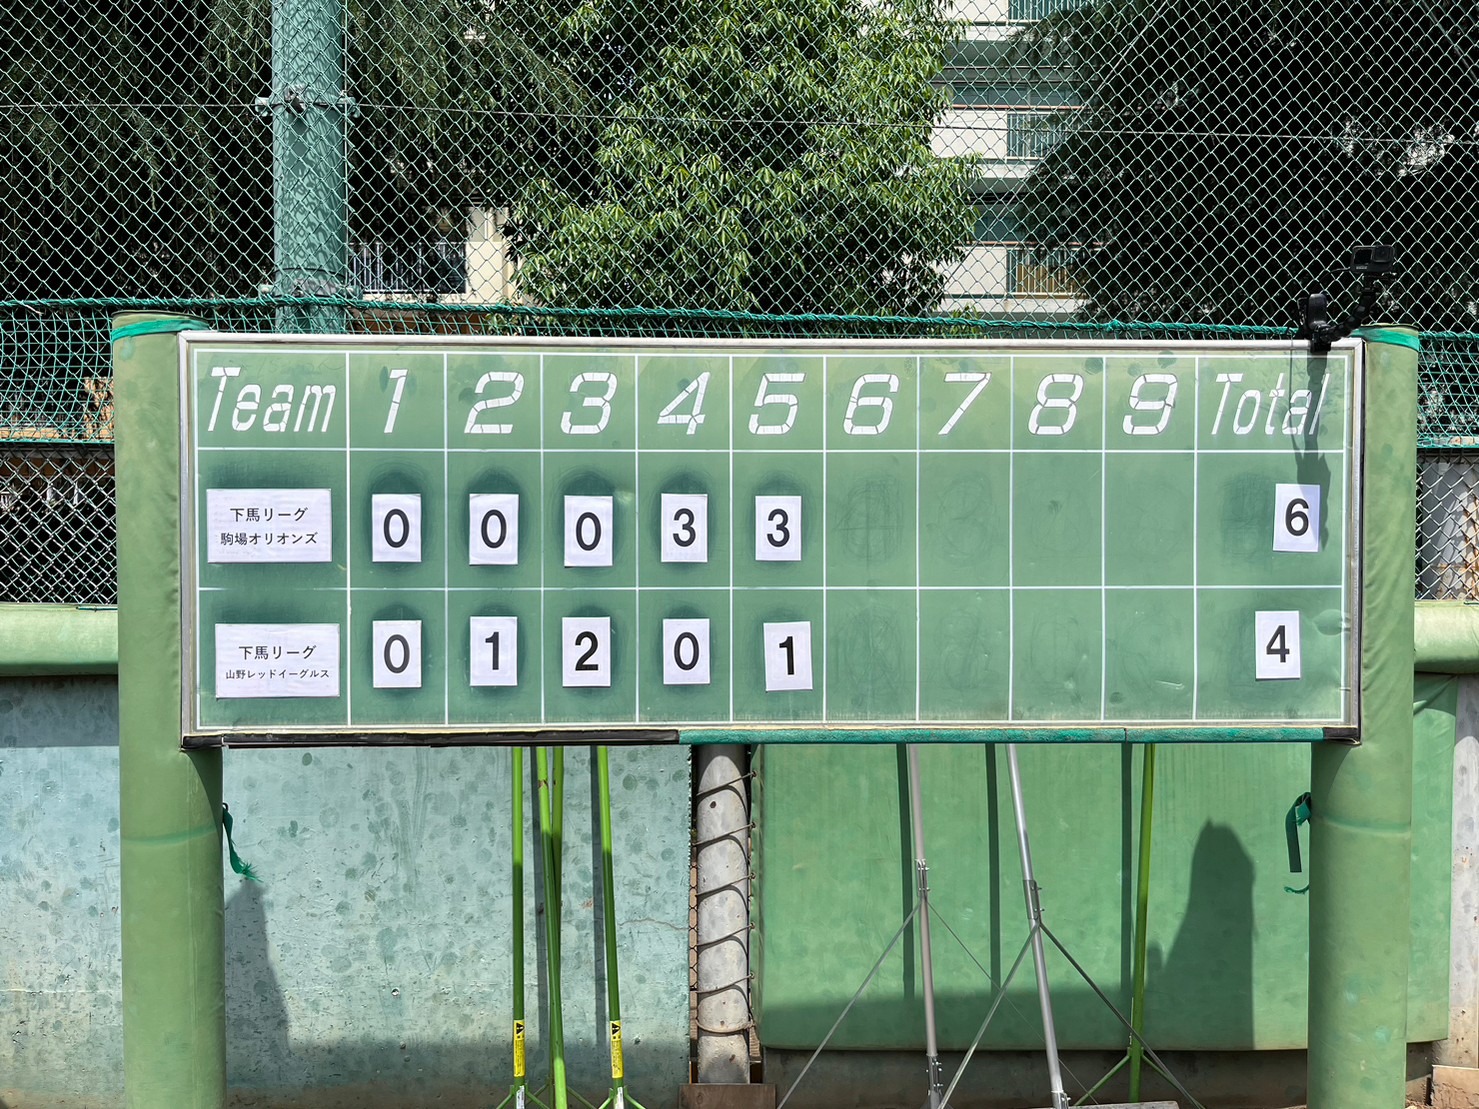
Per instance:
(616,1064)
(518,1049)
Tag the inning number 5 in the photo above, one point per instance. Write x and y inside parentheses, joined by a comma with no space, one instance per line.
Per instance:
(764,398)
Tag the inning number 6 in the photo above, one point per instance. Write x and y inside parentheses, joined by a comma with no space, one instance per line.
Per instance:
(884,403)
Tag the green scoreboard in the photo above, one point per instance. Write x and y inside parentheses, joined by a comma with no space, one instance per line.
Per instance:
(768,540)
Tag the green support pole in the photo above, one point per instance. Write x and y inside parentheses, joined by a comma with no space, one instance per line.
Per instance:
(309,178)
(619,1098)
(173,917)
(551,929)
(518,1094)
(1142,918)
(1361,827)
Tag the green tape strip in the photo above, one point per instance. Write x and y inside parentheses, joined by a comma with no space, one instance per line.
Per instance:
(155,327)
(244,869)
(1388,335)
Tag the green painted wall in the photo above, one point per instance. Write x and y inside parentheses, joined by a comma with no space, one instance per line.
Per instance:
(371,967)
(1228,946)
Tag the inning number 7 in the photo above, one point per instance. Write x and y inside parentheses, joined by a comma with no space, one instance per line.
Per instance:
(965,377)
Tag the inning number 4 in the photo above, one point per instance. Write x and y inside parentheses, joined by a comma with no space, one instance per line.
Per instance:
(1276,641)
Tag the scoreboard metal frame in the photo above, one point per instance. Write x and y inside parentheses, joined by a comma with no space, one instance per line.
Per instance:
(868,399)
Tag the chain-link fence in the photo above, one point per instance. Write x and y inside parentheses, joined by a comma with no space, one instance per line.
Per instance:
(715,167)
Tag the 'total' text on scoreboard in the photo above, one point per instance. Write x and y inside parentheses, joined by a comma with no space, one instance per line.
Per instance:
(545,534)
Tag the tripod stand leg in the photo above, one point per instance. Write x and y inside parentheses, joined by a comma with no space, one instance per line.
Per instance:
(921,870)
(1034,918)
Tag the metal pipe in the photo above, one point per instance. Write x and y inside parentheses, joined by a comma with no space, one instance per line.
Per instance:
(1361,807)
(926,957)
(517,810)
(1142,916)
(310,120)
(618,1098)
(173,915)
(1034,917)
(722,826)
(551,931)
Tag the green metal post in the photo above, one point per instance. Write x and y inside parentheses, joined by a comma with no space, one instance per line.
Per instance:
(173,913)
(619,1098)
(551,930)
(1142,917)
(557,824)
(309,177)
(1361,824)
(517,808)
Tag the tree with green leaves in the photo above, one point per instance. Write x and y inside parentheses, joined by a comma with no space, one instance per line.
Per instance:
(772,156)
(1225,156)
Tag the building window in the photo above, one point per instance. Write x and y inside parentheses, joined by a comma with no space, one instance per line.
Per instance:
(419,269)
(1033,134)
(1040,273)
(1025,11)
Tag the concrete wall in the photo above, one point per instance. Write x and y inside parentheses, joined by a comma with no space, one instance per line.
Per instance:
(372,965)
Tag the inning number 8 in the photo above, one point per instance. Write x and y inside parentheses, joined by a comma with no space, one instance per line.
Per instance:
(1067,405)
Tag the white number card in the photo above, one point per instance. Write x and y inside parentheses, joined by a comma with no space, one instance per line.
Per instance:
(787,656)
(685,652)
(395,527)
(778,529)
(1276,636)
(685,527)
(397,653)
(588,531)
(493,529)
(586,650)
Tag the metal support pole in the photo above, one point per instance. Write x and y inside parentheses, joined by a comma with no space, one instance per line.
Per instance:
(1142,916)
(173,918)
(551,930)
(1034,918)
(618,1099)
(926,957)
(519,1093)
(1361,796)
(310,114)
(722,823)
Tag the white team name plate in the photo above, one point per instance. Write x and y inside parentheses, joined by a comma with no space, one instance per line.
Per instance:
(268,525)
(277,660)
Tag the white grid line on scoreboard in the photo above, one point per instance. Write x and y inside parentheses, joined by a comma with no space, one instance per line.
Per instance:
(447,553)
(918,532)
(1231,586)
(1103,541)
(1196,524)
(636,540)
(543,614)
(348,561)
(1333,452)
(1011,539)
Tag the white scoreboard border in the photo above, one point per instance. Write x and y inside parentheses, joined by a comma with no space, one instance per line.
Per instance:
(1353,454)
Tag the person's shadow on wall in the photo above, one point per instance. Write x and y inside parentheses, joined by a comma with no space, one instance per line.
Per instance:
(256,1016)
(1209,969)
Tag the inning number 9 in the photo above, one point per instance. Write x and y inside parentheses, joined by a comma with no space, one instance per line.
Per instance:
(1162,405)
